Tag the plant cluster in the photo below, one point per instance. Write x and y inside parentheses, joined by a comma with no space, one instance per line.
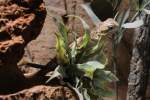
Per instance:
(79,66)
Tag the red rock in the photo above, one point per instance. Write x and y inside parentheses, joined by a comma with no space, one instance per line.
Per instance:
(42,92)
(21,21)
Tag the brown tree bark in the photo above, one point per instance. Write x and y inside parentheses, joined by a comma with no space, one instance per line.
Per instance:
(139,67)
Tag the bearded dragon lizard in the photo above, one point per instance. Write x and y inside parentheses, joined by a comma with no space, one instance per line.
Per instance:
(102,28)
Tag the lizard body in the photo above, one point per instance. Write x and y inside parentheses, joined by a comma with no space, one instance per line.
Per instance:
(103,29)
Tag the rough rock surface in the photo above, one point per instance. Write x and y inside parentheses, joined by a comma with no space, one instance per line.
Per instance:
(20,22)
(42,92)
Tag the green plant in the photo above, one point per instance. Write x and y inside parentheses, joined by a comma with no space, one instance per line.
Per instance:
(78,65)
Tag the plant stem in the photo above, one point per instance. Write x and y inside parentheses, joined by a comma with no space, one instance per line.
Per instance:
(65,18)
(74,13)
(65,4)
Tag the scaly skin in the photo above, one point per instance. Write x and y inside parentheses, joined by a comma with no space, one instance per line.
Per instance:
(102,29)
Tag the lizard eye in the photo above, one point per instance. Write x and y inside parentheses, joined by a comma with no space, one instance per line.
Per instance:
(110,27)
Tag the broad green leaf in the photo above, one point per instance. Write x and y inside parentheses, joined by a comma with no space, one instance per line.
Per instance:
(90,67)
(61,53)
(62,48)
(95,49)
(62,30)
(104,92)
(102,76)
(63,34)
(96,53)
(135,24)
(100,80)
(85,40)
(111,76)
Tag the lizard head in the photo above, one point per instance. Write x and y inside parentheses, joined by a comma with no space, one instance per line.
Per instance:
(105,27)
(108,25)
